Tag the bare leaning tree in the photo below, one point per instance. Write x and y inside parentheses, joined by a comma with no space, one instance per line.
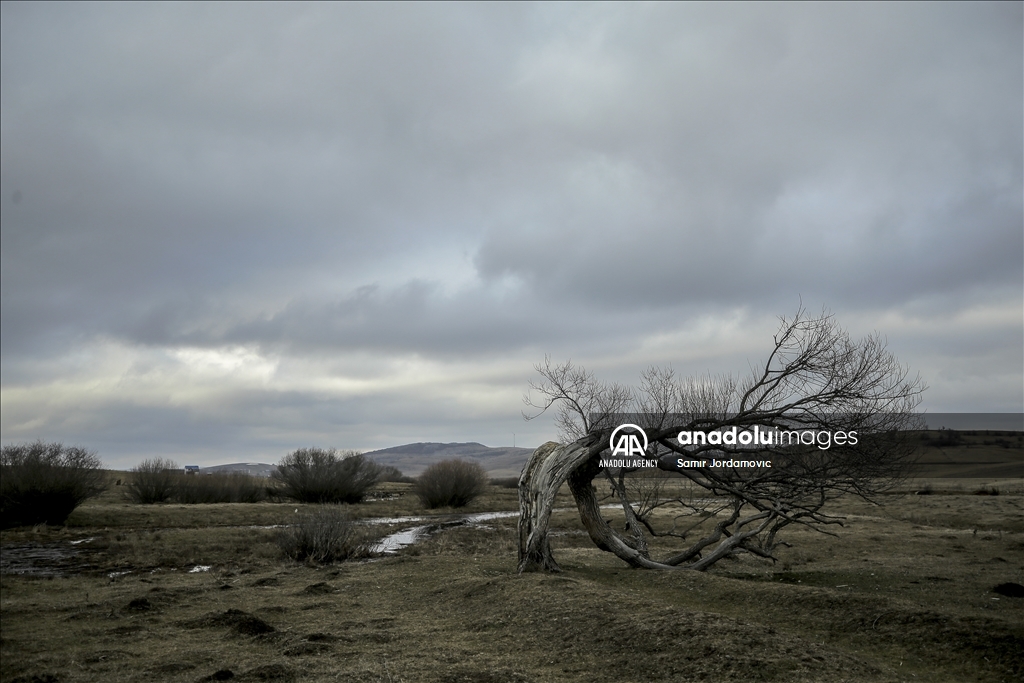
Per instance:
(816,380)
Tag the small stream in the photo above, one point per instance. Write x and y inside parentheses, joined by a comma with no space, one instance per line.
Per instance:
(63,558)
(394,542)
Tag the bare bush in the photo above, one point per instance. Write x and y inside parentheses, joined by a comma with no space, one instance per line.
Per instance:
(234,487)
(45,482)
(323,535)
(153,481)
(392,473)
(323,475)
(451,483)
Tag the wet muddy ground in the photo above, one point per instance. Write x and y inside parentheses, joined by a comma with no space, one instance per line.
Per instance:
(48,559)
(64,558)
(926,588)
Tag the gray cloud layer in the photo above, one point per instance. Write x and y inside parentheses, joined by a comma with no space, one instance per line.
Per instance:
(474,185)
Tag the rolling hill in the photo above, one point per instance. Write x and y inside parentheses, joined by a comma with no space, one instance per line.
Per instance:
(413,458)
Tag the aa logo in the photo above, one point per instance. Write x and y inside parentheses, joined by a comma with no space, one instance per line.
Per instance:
(628,445)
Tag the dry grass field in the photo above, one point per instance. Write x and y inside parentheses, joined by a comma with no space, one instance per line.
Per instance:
(202,593)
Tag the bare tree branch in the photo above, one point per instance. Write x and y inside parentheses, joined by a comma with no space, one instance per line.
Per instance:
(815,378)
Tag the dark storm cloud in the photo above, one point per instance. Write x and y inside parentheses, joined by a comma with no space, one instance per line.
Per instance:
(473,181)
(165,153)
(804,150)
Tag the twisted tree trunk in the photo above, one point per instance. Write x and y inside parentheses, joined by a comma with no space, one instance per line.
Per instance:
(549,467)
(545,472)
(577,463)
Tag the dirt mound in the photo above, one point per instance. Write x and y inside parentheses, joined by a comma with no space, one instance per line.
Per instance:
(36,678)
(322,588)
(268,672)
(238,621)
(139,605)
(266,581)
(1010,590)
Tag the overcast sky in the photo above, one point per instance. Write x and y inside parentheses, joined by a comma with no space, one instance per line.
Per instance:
(229,231)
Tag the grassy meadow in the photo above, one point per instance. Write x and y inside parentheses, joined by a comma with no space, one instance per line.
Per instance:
(202,592)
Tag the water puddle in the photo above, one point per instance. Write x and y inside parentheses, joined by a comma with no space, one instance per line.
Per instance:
(405,537)
(46,559)
(394,542)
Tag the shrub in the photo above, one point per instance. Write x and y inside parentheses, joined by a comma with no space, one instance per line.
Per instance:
(392,473)
(324,534)
(451,483)
(321,475)
(233,487)
(45,482)
(153,481)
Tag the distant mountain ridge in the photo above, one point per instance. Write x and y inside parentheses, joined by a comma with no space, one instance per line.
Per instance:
(413,458)
(256,469)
